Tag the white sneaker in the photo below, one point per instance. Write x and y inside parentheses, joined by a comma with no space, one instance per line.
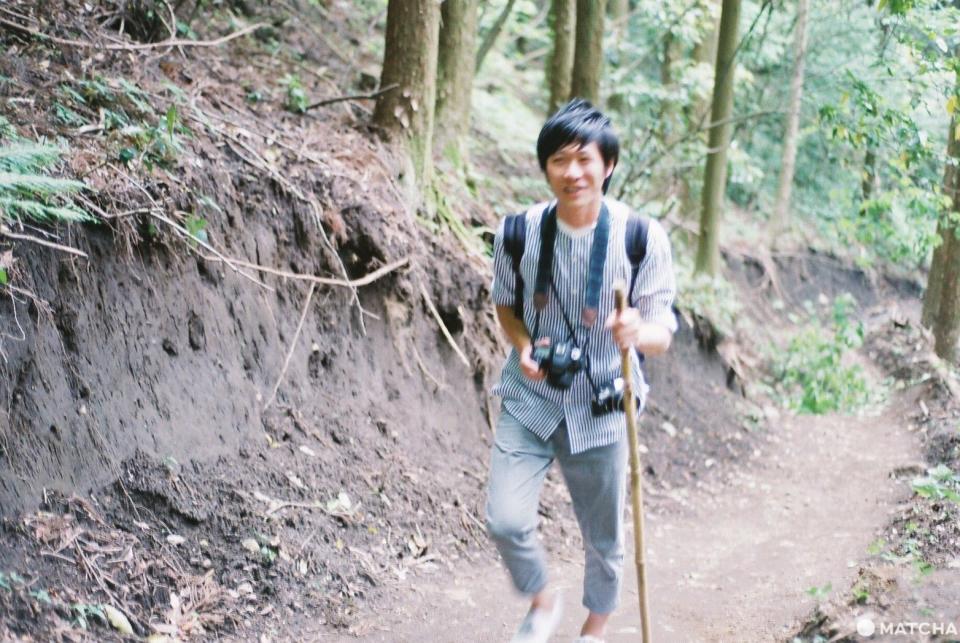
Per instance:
(587,639)
(539,624)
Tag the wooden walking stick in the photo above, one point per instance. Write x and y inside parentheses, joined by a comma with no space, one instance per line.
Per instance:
(636,489)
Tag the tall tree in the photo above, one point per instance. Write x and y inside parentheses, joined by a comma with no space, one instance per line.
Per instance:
(788,158)
(941,302)
(455,66)
(491,36)
(705,51)
(617,11)
(410,64)
(931,296)
(588,54)
(696,111)
(946,328)
(946,228)
(715,175)
(670,52)
(564,17)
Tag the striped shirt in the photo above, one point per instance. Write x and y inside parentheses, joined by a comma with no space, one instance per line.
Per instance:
(539,406)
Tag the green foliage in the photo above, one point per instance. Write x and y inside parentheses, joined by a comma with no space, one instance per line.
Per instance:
(472,239)
(141,134)
(876,547)
(197,227)
(940,483)
(897,222)
(713,298)
(861,594)
(152,145)
(296,96)
(912,554)
(811,375)
(6,128)
(896,7)
(84,611)
(27,191)
(820,593)
(41,595)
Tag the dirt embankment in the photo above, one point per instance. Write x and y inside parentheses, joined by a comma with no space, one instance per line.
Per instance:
(135,383)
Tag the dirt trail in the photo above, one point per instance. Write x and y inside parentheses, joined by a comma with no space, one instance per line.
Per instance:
(726,562)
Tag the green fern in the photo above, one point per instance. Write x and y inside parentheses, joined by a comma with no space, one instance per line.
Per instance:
(27,157)
(26,192)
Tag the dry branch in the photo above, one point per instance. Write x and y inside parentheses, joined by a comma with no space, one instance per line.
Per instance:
(326,281)
(5,231)
(171,42)
(443,327)
(340,99)
(293,345)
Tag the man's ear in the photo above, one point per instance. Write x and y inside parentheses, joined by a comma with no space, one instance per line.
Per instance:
(609,171)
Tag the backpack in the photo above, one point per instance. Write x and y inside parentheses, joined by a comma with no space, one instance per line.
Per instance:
(515,239)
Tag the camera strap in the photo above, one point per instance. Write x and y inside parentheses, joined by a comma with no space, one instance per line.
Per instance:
(598,258)
(545,281)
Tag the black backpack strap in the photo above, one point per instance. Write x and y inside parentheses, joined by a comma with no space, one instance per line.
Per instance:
(636,242)
(514,242)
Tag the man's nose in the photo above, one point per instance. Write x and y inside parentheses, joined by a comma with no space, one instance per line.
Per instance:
(573,171)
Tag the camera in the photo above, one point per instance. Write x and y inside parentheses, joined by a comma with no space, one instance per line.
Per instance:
(609,398)
(561,361)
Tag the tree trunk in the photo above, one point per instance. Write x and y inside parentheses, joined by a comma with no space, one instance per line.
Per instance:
(704,52)
(945,296)
(931,296)
(561,62)
(869,180)
(668,108)
(588,56)
(788,159)
(946,329)
(491,37)
(617,11)
(456,61)
(715,175)
(410,63)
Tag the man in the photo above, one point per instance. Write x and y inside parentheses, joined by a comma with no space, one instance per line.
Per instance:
(546,414)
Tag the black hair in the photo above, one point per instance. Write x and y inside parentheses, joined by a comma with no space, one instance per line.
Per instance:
(578,122)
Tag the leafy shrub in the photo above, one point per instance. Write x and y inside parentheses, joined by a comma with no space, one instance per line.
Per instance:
(153,144)
(811,374)
(26,191)
(141,133)
(940,483)
(712,298)
(296,99)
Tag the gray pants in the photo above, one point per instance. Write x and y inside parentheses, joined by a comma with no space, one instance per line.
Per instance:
(596,479)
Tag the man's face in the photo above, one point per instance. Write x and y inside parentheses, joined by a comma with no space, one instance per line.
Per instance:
(576,174)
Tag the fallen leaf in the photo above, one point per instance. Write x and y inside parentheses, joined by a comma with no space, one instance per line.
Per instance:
(117,620)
